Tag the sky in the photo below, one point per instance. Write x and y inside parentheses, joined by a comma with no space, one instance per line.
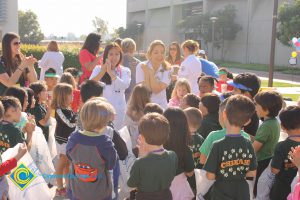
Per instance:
(60,17)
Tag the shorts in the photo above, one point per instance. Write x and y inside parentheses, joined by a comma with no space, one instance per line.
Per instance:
(3,186)
(61,148)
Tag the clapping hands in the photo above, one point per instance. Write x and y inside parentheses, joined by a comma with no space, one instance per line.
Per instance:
(294,156)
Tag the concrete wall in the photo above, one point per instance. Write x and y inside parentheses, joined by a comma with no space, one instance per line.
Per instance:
(10,18)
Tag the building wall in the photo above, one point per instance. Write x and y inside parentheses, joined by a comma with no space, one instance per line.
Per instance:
(9,16)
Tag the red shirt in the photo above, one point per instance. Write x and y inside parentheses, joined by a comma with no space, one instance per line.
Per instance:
(84,57)
(219,84)
(76,100)
(7,166)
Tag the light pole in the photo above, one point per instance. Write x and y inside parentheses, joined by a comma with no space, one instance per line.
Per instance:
(213,20)
(139,46)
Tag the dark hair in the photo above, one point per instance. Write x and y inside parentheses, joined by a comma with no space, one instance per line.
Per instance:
(223,105)
(118,41)
(249,80)
(72,70)
(290,118)
(153,108)
(50,71)
(209,79)
(30,94)
(89,89)
(270,101)
(155,128)
(37,88)
(179,135)
(178,52)
(106,78)
(194,117)
(10,102)
(229,74)
(211,102)
(192,100)
(239,109)
(17,92)
(92,43)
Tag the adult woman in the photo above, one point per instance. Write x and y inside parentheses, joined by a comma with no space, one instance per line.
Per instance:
(155,73)
(191,66)
(117,79)
(88,56)
(174,58)
(52,58)
(15,68)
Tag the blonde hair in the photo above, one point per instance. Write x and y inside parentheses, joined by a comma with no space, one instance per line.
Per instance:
(128,45)
(96,114)
(153,44)
(181,82)
(60,93)
(67,77)
(53,46)
(191,45)
(139,98)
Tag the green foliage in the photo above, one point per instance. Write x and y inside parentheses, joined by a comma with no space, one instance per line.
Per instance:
(289,22)
(29,28)
(132,30)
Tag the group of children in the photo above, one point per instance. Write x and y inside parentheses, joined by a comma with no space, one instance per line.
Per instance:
(216,131)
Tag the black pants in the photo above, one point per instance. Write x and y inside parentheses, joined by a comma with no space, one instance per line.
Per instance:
(261,166)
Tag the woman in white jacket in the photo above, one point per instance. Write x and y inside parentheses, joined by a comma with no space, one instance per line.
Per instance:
(53,58)
(117,79)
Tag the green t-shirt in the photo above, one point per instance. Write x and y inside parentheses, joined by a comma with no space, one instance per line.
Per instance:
(214,136)
(10,136)
(154,172)
(231,158)
(268,134)
(39,112)
(196,142)
(209,123)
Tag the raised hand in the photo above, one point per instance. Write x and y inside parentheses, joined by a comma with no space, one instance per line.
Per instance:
(21,152)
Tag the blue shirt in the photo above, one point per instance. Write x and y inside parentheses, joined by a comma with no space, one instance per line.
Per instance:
(209,68)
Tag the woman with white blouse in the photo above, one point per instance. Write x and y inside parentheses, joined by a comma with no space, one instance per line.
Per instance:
(190,68)
(155,73)
(53,58)
(117,79)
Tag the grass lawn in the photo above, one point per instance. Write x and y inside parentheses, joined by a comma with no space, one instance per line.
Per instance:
(264,83)
(260,67)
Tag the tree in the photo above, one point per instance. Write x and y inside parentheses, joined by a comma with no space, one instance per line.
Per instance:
(225,26)
(133,30)
(289,22)
(29,28)
(100,26)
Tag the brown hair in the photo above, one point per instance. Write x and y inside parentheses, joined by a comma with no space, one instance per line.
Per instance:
(178,52)
(96,114)
(194,117)
(60,92)
(191,45)
(1,110)
(9,102)
(239,109)
(140,96)
(67,77)
(192,100)
(153,108)
(153,44)
(53,46)
(270,101)
(37,88)
(211,102)
(155,128)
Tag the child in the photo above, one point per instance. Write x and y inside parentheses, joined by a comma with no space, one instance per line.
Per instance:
(209,107)
(154,171)
(194,118)
(65,125)
(91,153)
(206,85)
(294,156)
(182,87)
(224,76)
(68,78)
(281,165)
(267,105)
(41,111)
(75,73)
(153,107)
(178,142)
(216,135)
(232,159)
(189,100)
(140,96)
(247,84)
(51,79)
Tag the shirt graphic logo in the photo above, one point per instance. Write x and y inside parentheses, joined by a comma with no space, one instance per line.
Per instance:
(22,176)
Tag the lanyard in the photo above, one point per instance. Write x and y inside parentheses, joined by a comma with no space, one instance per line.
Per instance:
(293,136)
(157,151)
(233,135)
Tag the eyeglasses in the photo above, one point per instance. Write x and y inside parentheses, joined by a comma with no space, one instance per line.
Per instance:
(17,43)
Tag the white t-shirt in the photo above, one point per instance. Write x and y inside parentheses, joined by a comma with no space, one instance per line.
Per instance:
(191,69)
(161,75)
(51,59)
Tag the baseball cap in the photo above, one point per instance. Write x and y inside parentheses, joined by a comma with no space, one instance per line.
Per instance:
(238,85)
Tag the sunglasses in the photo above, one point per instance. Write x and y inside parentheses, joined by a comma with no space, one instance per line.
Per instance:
(16,43)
